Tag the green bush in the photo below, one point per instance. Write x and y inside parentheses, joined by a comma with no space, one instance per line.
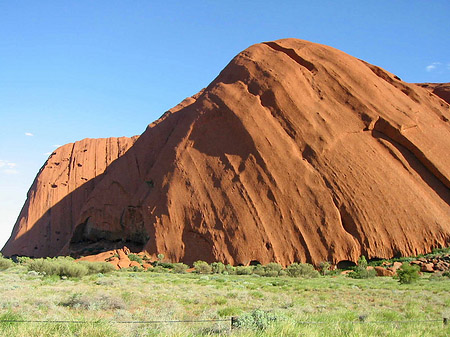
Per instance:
(230,270)
(255,320)
(202,267)
(136,258)
(273,269)
(43,266)
(167,265)
(67,266)
(408,273)
(158,269)
(259,270)
(23,260)
(5,263)
(305,270)
(179,268)
(98,267)
(217,267)
(361,271)
(324,267)
(243,270)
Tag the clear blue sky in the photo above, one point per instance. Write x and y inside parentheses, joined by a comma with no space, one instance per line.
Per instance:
(76,69)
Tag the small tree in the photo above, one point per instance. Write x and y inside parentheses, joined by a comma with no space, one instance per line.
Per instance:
(408,273)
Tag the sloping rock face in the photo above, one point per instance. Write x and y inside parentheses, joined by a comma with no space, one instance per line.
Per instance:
(295,152)
(58,193)
(440,89)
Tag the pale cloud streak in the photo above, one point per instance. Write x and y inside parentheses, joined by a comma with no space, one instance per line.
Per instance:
(29,134)
(438,67)
(7,167)
(432,66)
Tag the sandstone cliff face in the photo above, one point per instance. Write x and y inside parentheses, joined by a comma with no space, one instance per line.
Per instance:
(439,89)
(295,152)
(60,189)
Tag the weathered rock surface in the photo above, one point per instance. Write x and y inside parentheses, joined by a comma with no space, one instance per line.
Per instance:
(439,89)
(434,264)
(119,258)
(383,271)
(61,188)
(295,152)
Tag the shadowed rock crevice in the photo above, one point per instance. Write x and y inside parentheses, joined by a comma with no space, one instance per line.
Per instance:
(293,55)
(395,137)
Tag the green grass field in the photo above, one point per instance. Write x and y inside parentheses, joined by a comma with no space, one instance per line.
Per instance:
(334,302)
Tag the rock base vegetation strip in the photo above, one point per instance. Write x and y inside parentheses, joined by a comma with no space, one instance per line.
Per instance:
(264,306)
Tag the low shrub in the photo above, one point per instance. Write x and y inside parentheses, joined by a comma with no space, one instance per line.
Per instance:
(361,271)
(70,268)
(324,267)
(408,273)
(98,267)
(270,270)
(158,269)
(273,269)
(243,270)
(67,266)
(5,263)
(305,270)
(217,267)
(202,267)
(96,302)
(259,270)
(230,270)
(179,268)
(167,265)
(255,320)
(23,260)
(44,266)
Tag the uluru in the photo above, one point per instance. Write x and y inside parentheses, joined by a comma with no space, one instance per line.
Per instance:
(296,152)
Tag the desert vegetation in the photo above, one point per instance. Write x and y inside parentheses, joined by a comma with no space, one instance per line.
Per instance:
(264,300)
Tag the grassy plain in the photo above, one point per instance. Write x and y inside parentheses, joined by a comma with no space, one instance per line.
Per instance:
(336,302)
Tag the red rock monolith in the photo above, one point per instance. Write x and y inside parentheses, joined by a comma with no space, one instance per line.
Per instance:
(295,152)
